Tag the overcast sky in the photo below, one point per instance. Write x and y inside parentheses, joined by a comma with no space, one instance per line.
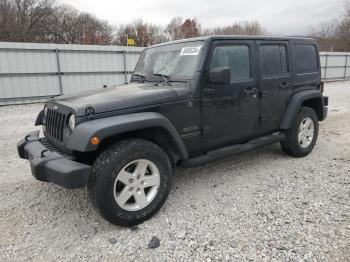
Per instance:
(285,17)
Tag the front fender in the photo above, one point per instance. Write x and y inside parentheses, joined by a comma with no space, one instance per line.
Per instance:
(295,104)
(79,140)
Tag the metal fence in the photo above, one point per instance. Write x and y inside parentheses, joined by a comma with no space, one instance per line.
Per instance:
(335,66)
(35,72)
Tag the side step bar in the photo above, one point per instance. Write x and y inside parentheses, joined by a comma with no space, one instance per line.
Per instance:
(232,150)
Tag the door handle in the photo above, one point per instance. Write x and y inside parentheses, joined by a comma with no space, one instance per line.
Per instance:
(250,91)
(284,85)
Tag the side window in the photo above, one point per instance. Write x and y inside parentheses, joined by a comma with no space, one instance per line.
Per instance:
(234,56)
(305,57)
(274,60)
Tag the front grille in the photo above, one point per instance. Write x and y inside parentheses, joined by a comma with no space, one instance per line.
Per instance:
(55,122)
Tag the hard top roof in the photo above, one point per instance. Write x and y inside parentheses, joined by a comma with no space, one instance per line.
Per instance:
(237,37)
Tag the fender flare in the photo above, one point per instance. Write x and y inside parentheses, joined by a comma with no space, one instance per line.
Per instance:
(295,104)
(79,140)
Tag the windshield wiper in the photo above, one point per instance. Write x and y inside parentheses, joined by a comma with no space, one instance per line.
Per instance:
(166,78)
(142,78)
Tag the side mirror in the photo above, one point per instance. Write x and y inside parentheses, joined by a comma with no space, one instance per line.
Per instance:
(220,75)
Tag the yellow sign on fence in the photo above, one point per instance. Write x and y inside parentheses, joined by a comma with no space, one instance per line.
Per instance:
(131,41)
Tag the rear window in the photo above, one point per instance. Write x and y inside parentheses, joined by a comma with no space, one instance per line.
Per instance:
(305,59)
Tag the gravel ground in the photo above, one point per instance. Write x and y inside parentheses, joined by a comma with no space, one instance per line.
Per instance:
(262,205)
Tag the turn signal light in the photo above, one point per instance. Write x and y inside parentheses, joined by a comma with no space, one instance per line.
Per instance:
(94,140)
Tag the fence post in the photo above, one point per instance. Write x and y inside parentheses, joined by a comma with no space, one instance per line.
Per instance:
(59,70)
(325,68)
(346,65)
(125,68)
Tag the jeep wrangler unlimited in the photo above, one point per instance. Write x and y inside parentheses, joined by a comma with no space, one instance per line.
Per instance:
(189,102)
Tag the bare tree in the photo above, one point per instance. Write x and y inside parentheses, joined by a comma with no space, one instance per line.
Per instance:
(44,21)
(24,20)
(173,29)
(70,26)
(343,31)
(190,28)
(238,28)
(325,35)
(143,33)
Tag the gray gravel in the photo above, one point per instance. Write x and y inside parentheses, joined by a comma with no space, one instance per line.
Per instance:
(259,206)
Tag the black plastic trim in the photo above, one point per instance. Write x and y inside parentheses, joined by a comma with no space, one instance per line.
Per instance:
(232,150)
(295,104)
(49,166)
(79,140)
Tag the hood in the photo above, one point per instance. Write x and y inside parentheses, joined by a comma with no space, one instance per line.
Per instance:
(118,97)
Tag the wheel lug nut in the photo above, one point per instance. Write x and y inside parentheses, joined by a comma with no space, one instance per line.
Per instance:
(131,180)
(138,176)
(131,189)
(142,182)
(138,190)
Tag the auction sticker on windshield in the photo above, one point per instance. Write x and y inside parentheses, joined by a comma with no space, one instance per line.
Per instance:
(190,50)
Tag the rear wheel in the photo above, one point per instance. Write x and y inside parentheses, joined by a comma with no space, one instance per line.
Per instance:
(301,138)
(130,181)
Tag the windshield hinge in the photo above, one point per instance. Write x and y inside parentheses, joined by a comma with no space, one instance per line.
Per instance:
(90,112)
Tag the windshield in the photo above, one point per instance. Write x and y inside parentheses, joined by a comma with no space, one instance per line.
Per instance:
(178,62)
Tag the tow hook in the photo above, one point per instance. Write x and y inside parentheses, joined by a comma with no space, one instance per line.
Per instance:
(42,154)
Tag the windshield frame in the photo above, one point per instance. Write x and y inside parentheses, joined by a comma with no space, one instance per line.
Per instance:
(150,78)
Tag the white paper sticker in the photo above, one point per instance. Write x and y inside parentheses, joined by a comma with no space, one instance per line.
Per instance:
(194,50)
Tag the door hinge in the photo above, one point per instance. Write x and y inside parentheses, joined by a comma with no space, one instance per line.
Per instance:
(262,94)
(206,102)
(207,129)
(209,91)
(262,118)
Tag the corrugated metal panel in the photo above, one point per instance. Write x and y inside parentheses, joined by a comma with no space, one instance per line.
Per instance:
(335,66)
(31,72)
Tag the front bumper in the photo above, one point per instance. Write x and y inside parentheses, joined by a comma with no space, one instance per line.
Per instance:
(51,166)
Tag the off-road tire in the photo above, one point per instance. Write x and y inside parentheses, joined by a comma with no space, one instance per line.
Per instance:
(104,172)
(291,144)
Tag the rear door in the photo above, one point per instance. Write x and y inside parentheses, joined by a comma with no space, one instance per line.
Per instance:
(275,82)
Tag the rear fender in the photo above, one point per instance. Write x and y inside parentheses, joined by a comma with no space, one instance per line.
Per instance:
(297,101)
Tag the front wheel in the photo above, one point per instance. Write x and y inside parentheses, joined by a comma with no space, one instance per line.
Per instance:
(301,138)
(130,181)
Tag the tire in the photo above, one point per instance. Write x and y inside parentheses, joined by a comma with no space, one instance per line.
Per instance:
(121,173)
(300,145)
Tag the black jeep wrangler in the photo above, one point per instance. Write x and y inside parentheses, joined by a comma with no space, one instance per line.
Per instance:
(189,102)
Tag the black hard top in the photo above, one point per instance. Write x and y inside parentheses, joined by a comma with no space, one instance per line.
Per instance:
(238,37)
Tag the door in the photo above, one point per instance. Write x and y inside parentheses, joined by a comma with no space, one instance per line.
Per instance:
(275,82)
(229,111)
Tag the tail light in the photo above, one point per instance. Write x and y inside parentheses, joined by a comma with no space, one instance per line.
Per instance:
(321,86)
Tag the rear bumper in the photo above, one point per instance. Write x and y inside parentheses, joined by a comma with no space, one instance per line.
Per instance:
(50,166)
(325,112)
(325,107)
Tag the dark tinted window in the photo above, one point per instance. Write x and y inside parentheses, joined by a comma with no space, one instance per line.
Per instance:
(305,59)
(274,60)
(284,60)
(236,57)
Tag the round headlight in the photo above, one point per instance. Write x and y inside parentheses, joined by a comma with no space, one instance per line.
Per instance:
(71,121)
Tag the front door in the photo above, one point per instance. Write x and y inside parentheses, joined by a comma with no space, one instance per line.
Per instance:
(230,111)
(275,82)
